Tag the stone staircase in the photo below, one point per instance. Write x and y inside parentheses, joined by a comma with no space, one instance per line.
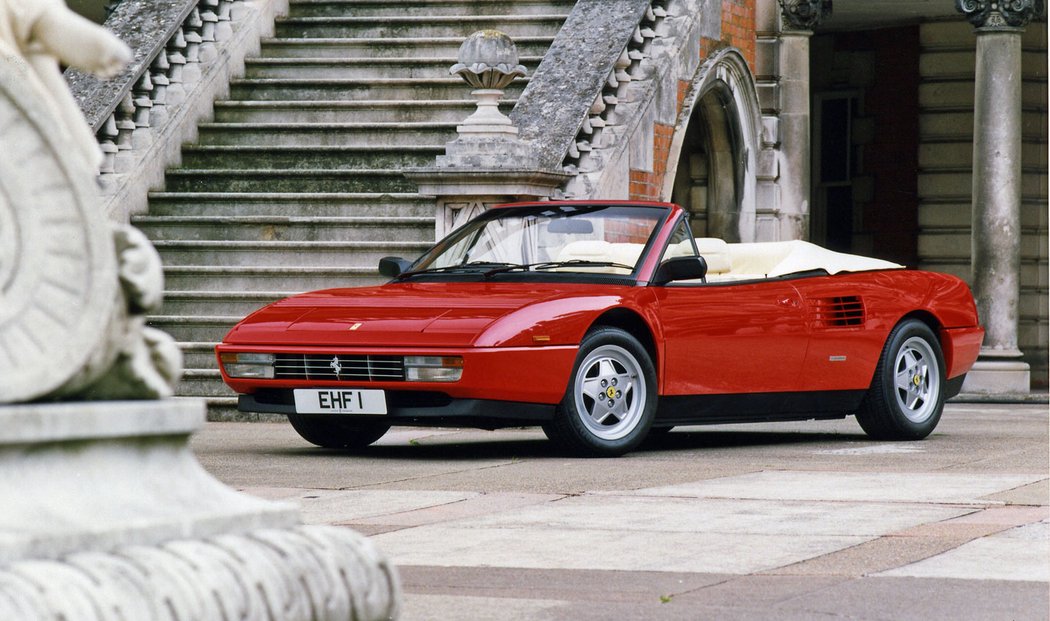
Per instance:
(297,184)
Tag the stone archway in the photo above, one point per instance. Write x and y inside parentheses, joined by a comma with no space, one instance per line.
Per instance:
(714,150)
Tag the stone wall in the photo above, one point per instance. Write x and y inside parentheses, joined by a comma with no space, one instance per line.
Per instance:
(946,100)
(652,148)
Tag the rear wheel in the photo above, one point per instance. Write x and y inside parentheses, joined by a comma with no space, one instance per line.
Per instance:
(907,393)
(611,399)
(335,433)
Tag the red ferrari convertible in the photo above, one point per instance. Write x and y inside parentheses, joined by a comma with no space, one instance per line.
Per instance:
(604,322)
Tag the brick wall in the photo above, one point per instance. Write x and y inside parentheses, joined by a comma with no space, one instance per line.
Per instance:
(738,30)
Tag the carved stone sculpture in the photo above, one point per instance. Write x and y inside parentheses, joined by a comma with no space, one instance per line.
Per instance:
(992,14)
(74,288)
(805,14)
(488,61)
(106,514)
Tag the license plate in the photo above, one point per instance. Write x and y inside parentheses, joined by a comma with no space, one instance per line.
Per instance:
(340,401)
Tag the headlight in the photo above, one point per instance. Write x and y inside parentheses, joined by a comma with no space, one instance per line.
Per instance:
(257,366)
(433,368)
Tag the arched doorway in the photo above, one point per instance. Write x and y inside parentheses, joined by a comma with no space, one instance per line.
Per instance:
(714,149)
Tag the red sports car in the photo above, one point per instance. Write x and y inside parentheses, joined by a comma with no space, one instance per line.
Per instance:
(604,322)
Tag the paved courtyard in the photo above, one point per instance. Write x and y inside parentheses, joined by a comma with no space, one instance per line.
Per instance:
(786,521)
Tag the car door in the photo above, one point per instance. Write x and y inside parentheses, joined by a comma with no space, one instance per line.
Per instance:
(732,337)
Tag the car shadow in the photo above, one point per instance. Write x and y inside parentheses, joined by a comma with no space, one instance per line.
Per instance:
(445,448)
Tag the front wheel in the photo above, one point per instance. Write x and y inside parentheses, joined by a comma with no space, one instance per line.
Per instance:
(331,432)
(907,393)
(610,403)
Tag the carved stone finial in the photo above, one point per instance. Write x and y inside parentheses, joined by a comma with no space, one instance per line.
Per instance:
(488,61)
(1000,14)
(804,14)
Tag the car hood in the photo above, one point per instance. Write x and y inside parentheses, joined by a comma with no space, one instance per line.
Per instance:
(396,314)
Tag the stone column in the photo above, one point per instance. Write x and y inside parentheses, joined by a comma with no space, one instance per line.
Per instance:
(800,17)
(996,236)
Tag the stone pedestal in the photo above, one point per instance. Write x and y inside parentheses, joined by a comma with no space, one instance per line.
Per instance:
(107,515)
(477,173)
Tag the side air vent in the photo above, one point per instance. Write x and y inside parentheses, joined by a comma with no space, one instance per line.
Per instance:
(839,312)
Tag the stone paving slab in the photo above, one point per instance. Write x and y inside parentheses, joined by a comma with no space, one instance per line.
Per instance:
(789,521)
(716,515)
(557,548)
(1021,553)
(945,488)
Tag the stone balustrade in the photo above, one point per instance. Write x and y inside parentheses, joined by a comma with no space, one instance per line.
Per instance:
(185,51)
(588,96)
(627,67)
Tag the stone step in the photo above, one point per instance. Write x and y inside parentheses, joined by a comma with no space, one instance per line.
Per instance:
(239,303)
(411,89)
(336,8)
(326,134)
(198,355)
(204,383)
(333,204)
(263,180)
(388,47)
(288,228)
(322,157)
(359,254)
(386,111)
(360,68)
(273,278)
(194,329)
(397,26)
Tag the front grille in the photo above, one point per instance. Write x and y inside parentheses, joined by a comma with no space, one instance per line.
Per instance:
(340,368)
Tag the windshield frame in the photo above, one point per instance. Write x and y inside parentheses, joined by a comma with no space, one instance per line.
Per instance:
(416,272)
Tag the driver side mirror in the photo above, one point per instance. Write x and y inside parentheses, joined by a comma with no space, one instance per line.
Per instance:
(392,267)
(680,268)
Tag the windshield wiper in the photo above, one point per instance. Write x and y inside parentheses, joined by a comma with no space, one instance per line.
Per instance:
(580,262)
(546,265)
(461,267)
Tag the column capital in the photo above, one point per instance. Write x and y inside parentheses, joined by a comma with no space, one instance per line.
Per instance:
(1000,15)
(804,14)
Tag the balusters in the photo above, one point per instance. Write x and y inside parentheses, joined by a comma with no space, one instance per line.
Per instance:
(602,116)
(125,116)
(159,77)
(142,136)
(177,60)
(107,141)
(164,83)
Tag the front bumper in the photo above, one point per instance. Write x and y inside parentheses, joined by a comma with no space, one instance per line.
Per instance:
(419,409)
(512,384)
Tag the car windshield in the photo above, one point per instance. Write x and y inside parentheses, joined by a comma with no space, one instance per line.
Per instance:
(591,239)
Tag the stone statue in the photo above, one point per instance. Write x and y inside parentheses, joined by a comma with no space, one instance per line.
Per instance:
(43,33)
(106,513)
(74,288)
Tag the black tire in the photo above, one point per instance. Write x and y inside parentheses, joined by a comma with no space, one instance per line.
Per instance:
(332,432)
(906,397)
(615,364)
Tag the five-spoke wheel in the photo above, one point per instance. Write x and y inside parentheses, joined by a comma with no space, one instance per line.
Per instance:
(907,393)
(611,398)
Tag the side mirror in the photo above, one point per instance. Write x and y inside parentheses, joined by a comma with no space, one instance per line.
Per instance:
(392,267)
(680,268)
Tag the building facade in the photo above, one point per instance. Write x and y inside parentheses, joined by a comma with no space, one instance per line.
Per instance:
(913,132)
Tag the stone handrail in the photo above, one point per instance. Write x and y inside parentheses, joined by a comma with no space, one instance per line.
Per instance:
(166,37)
(572,96)
(185,51)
